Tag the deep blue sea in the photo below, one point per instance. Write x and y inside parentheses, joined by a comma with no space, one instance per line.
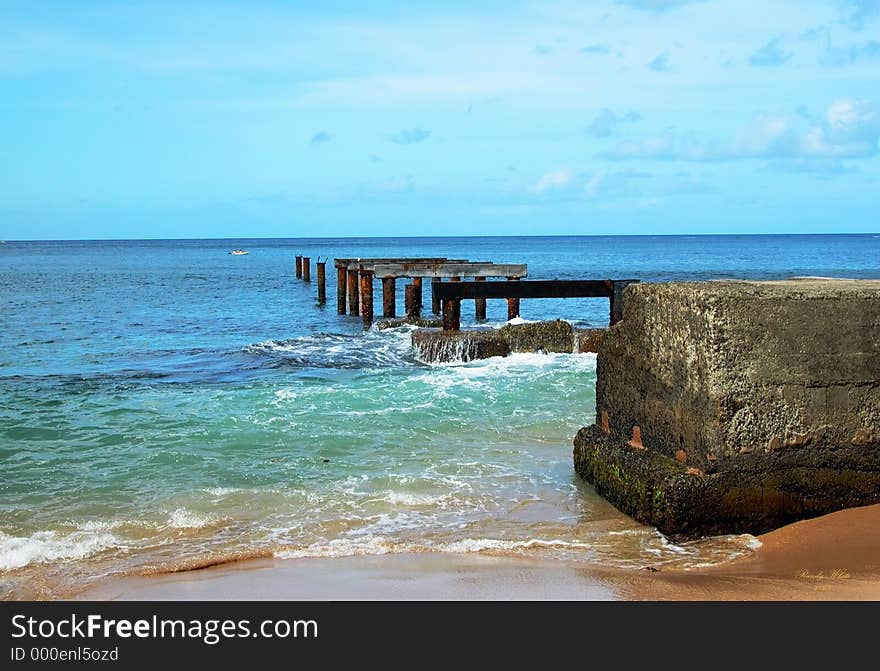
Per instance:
(164,404)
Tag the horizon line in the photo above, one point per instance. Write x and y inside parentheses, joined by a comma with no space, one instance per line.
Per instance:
(434,237)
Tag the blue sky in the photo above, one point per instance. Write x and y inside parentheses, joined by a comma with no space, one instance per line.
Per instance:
(184,119)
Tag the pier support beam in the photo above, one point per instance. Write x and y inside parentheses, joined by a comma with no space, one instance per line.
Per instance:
(341,278)
(389,299)
(307,269)
(322,281)
(452,311)
(480,303)
(512,305)
(367,297)
(299,268)
(417,283)
(435,300)
(354,305)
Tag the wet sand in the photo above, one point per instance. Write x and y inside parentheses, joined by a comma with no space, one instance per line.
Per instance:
(834,557)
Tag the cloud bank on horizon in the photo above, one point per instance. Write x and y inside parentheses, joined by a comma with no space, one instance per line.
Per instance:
(195,119)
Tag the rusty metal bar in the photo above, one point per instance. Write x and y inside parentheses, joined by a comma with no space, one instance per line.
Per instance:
(514,290)
(341,277)
(480,303)
(389,299)
(299,268)
(354,306)
(367,297)
(307,269)
(529,289)
(322,281)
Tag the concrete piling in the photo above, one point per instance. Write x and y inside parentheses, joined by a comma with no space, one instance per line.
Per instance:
(512,305)
(354,306)
(454,309)
(412,301)
(435,300)
(480,303)
(306,269)
(341,279)
(367,297)
(299,271)
(389,299)
(451,314)
(322,281)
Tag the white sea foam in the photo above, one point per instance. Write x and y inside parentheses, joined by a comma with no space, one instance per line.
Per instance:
(181,518)
(410,499)
(51,546)
(382,545)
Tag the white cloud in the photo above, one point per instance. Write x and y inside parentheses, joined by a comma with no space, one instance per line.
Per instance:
(850,129)
(552,181)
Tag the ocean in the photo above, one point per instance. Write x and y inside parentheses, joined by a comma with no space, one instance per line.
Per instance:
(164,405)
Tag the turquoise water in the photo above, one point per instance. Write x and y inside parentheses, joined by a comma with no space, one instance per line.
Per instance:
(166,405)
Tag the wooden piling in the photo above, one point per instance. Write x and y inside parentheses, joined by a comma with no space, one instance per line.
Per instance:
(306,269)
(367,297)
(435,300)
(480,303)
(322,281)
(299,268)
(512,305)
(353,293)
(341,279)
(389,299)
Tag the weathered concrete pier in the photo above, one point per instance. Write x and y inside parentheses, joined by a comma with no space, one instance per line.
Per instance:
(727,407)
(355,281)
(437,272)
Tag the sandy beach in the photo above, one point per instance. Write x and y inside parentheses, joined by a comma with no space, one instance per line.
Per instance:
(834,557)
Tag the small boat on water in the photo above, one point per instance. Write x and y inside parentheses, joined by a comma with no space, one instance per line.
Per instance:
(239,252)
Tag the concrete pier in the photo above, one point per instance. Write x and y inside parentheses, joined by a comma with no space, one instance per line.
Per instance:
(441,346)
(728,407)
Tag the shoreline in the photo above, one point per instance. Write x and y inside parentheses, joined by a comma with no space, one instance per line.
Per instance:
(833,557)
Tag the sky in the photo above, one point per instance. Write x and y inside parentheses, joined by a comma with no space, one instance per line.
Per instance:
(309,119)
